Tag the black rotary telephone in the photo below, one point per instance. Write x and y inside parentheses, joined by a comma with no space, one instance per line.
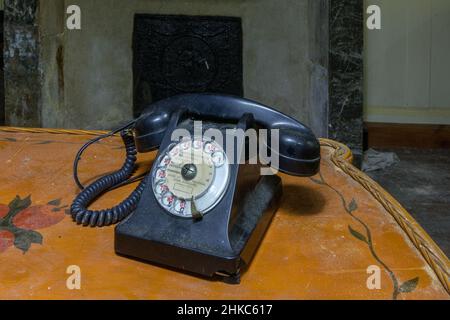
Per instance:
(204,206)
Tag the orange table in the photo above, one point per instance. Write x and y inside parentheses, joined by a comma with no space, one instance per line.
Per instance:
(331,230)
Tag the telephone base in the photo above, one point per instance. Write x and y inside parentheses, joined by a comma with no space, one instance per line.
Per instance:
(216,248)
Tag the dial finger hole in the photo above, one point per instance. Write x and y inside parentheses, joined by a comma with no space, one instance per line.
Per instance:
(209,147)
(165,161)
(186,144)
(160,173)
(218,158)
(161,187)
(174,151)
(167,199)
(197,144)
(180,206)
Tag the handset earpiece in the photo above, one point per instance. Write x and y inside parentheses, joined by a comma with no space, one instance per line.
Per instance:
(298,152)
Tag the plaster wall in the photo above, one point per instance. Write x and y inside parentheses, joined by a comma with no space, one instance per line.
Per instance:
(88,72)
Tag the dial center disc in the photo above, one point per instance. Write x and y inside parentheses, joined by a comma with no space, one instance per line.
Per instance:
(189,174)
(189,171)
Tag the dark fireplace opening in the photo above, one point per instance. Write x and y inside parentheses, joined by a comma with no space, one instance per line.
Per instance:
(174,54)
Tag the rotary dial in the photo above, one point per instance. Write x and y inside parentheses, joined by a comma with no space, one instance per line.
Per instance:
(191,177)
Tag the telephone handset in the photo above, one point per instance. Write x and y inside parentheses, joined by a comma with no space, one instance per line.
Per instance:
(202,208)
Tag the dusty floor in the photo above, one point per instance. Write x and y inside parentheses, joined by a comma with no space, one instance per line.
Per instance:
(421,183)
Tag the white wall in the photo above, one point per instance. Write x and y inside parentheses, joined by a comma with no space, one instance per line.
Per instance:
(407,63)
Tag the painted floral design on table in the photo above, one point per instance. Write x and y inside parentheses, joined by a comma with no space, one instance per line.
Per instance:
(366,237)
(19,221)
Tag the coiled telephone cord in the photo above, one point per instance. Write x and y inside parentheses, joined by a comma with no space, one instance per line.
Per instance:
(99,218)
